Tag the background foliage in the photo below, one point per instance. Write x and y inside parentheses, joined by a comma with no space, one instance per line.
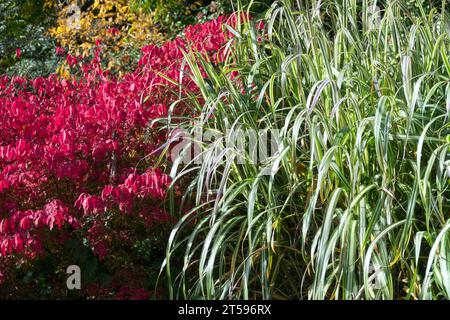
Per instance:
(24,24)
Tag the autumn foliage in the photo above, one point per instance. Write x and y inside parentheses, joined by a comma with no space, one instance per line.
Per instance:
(78,160)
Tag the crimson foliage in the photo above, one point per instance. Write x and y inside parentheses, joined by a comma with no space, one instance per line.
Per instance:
(78,184)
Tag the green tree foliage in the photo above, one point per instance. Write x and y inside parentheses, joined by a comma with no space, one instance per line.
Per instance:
(23,24)
(173,15)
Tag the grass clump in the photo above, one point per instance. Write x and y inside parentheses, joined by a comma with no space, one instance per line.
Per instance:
(354,203)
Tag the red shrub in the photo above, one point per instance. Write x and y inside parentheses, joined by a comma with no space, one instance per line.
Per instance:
(71,151)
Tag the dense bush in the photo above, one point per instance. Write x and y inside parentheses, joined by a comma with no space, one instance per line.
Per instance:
(81,24)
(80,181)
